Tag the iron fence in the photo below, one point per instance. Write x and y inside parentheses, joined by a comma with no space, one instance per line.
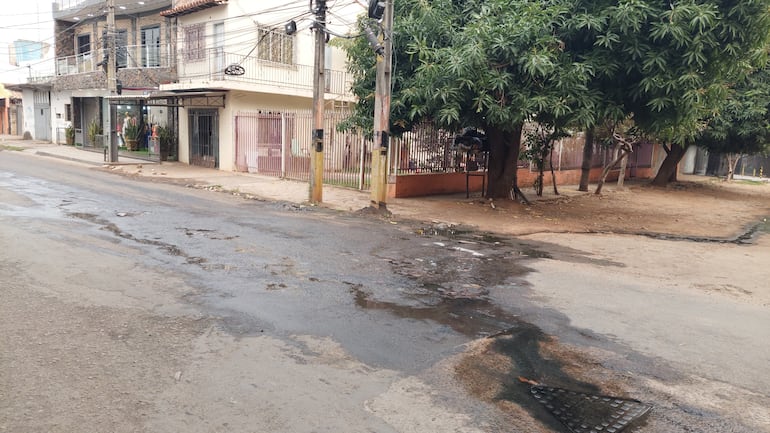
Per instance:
(279,143)
(212,63)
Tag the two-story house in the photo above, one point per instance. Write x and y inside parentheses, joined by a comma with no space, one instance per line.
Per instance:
(252,80)
(145,50)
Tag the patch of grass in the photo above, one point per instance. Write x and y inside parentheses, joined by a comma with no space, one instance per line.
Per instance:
(750,182)
(14,148)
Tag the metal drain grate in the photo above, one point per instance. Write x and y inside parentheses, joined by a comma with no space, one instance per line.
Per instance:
(586,413)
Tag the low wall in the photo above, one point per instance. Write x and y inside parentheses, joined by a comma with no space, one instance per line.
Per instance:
(416,185)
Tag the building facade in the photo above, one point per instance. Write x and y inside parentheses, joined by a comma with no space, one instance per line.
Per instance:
(243,83)
(145,60)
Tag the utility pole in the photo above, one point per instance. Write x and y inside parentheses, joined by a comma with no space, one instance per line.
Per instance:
(319,88)
(382,113)
(112,78)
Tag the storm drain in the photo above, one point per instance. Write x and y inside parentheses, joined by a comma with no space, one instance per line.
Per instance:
(586,413)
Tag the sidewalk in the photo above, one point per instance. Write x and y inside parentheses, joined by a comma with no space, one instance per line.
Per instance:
(258,186)
(501,216)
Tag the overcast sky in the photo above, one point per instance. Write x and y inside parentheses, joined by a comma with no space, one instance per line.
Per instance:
(23,19)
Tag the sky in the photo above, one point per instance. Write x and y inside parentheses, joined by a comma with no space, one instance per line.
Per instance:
(29,20)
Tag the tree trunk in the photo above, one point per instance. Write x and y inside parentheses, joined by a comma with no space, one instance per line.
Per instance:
(588,155)
(667,171)
(622,174)
(503,159)
(553,175)
(732,162)
(621,153)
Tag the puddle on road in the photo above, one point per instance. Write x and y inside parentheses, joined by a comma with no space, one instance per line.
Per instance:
(473,317)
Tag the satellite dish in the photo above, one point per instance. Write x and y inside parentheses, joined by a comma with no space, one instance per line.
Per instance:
(234,70)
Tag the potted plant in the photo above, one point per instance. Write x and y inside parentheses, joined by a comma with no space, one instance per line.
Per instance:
(131,133)
(166,139)
(69,135)
(94,131)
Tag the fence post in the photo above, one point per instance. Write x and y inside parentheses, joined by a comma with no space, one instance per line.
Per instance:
(284,153)
(362,164)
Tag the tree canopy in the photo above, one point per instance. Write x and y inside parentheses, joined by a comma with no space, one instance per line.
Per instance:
(496,64)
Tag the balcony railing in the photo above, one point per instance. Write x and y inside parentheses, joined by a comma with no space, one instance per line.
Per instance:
(68,4)
(211,67)
(132,56)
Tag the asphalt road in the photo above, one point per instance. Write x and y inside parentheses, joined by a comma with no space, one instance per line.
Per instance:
(134,305)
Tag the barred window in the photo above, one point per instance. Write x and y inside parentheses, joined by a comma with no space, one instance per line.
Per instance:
(275,46)
(195,42)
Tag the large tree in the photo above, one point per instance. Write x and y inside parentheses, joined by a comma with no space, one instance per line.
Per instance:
(496,64)
(490,64)
(670,64)
(742,125)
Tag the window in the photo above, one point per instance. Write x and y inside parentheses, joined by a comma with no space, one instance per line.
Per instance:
(151,47)
(275,46)
(68,112)
(195,42)
(84,44)
(121,42)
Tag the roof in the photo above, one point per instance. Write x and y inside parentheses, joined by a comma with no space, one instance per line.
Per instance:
(192,6)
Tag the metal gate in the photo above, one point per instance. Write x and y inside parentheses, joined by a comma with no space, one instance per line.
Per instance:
(204,139)
(279,144)
(42,104)
(259,139)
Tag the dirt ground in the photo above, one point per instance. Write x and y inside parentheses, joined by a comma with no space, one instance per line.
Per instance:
(695,206)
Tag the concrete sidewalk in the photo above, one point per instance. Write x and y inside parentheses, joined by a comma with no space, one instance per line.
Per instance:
(259,186)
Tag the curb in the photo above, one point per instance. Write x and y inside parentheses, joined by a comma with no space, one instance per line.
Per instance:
(70,158)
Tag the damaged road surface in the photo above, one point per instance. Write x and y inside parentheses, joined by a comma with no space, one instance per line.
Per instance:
(139,306)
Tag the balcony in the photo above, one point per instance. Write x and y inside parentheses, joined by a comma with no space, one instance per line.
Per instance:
(132,56)
(74,10)
(297,79)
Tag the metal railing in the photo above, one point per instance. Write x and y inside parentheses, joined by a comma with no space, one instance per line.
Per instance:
(69,4)
(211,65)
(130,56)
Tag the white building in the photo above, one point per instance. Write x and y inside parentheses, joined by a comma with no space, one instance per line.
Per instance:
(233,121)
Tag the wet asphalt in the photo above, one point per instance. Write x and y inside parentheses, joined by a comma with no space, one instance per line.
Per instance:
(398,296)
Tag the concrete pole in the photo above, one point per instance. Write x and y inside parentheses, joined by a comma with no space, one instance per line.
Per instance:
(319,86)
(112,78)
(379,190)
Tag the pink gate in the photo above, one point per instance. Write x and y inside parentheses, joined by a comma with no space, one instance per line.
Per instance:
(259,139)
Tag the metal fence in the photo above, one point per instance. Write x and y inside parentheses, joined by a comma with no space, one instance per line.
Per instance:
(212,63)
(278,143)
(130,56)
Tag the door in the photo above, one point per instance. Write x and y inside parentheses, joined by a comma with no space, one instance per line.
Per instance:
(219,50)
(151,47)
(204,138)
(42,123)
(121,49)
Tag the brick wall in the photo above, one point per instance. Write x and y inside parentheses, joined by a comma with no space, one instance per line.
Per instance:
(130,78)
(64,44)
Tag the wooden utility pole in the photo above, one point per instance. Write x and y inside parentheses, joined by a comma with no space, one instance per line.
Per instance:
(112,77)
(382,113)
(319,86)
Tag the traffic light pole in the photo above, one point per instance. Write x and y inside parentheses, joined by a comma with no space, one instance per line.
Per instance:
(379,188)
(319,85)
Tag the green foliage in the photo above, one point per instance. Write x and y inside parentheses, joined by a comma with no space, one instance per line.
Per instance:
(496,64)
(132,131)
(669,64)
(540,139)
(94,130)
(69,135)
(742,125)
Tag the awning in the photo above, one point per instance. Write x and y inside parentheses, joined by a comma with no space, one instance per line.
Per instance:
(174,99)
(190,7)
